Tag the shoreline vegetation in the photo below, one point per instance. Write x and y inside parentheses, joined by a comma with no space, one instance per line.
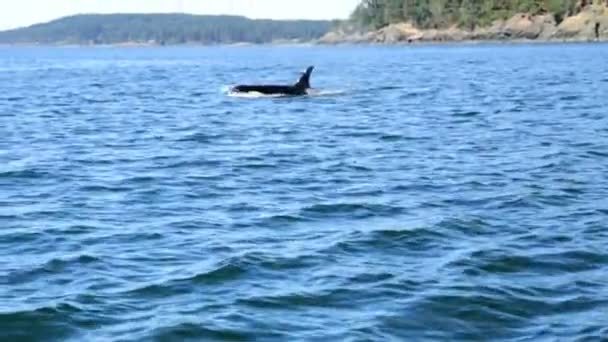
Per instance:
(165,29)
(437,21)
(389,22)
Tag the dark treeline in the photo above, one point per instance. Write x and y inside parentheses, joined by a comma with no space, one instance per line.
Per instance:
(465,13)
(165,29)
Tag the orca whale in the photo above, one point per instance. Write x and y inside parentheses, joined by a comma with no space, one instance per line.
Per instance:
(299,88)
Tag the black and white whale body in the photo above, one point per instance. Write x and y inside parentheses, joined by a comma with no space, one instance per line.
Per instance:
(299,88)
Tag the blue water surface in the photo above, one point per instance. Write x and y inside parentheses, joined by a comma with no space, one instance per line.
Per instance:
(449,193)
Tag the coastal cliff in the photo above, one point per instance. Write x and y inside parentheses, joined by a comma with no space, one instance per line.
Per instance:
(589,23)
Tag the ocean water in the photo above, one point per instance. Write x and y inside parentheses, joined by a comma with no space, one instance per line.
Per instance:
(447,193)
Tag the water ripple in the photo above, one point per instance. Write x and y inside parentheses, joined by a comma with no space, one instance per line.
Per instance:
(449,193)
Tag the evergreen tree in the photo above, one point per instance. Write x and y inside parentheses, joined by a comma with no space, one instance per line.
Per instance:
(466,13)
(165,28)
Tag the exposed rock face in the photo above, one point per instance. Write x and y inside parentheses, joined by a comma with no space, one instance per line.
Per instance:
(525,26)
(451,34)
(333,38)
(342,37)
(587,25)
(548,27)
(494,32)
(397,33)
(577,26)
(590,24)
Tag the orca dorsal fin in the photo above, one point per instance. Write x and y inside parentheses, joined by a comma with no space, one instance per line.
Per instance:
(304,81)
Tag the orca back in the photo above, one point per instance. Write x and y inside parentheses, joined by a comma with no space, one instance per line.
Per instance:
(299,88)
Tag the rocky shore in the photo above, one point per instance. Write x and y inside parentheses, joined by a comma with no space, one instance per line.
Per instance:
(589,25)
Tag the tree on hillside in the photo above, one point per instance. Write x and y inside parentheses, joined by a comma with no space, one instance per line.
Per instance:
(165,28)
(466,13)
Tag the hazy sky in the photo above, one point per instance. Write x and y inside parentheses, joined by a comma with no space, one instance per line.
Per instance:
(16,13)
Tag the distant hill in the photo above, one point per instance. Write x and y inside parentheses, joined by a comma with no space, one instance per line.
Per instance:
(165,29)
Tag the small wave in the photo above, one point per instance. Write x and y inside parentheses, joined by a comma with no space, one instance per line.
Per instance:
(466,113)
(103,188)
(278,221)
(92,100)
(48,323)
(570,98)
(356,192)
(391,137)
(357,133)
(226,271)
(339,297)
(371,278)
(325,92)
(311,93)
(15,98)
(56,266)
(406,234)
(193,164)
(412,240)
(78,229)
(597,153)
(9,216)
(192,331)
(140,180)
(421,186)
(256,166)
(22,174)
(481,308)
(472,226)
(79,259)
(469,312)
(254,95)
(355,209)
(200,137)
(501,262)
(519,202)
(276,263)
(388,87)
(21,236)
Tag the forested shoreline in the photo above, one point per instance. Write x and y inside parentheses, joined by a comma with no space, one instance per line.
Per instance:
(372,21)
(464,13)
(394,21)
(165,29)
